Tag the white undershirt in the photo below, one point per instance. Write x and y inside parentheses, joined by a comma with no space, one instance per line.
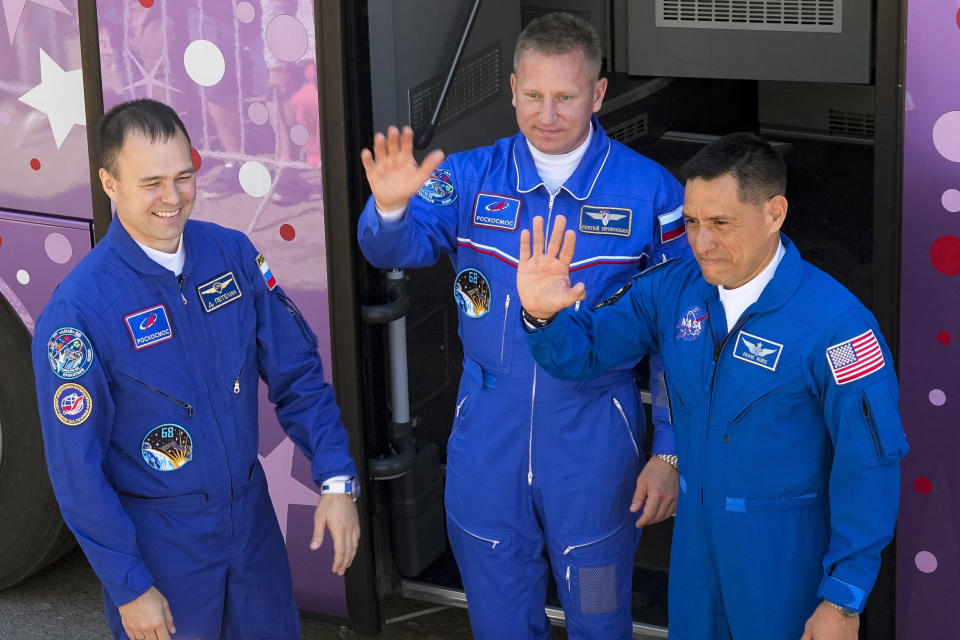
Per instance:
(736,301)
(554,169)
(171,261)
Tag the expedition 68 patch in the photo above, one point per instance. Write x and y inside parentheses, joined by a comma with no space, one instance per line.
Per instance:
(167,447)
(472,293)
(69,352)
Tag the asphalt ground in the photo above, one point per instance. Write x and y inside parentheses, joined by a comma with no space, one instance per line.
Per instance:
(63,602)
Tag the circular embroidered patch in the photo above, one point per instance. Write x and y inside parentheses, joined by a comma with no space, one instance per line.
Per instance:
(167,448)
(472,293)
(70,353)
(72,404)
(438,188)
(691,324)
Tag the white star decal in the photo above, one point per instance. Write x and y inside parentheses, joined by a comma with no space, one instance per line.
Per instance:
(149,79)
(13,10)
(60,96)
(285,490)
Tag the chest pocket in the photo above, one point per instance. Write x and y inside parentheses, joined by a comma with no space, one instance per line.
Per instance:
(489,313)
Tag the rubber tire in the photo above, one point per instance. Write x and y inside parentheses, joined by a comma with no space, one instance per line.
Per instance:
(32,533)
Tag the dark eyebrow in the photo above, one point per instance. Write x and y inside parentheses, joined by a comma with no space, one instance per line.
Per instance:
(154,178)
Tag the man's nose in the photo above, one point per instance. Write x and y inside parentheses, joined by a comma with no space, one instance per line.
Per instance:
(548,111)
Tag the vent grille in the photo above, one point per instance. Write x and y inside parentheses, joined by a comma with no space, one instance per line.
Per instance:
(476,83)
(759,15)
(855,124)
(630,130)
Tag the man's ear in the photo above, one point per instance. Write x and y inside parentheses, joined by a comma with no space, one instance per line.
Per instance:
(776,210)
(109,183)
(513,89)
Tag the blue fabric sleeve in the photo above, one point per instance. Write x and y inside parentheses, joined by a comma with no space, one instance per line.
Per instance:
(76,455)
(306,405)
(868,439)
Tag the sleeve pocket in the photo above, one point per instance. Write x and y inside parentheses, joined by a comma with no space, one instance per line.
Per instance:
(881,420)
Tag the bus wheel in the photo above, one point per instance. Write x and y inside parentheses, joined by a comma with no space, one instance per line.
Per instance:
(32,534)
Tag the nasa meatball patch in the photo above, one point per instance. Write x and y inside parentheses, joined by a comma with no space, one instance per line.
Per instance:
(167,448)
(69,352)
(690,324)
(608,221)
(496,211)
(149,326)
(72,404)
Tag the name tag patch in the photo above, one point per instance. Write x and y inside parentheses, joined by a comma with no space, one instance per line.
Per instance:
(756,350)
(220,291)
(149,327)
(609,221)
(496,211)
(167,448)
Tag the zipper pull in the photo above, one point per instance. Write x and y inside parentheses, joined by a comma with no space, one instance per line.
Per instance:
(530,477)
(236,385)
(568,578)
(184,298)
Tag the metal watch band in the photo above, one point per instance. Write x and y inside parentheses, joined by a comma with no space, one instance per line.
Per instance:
(846,613)
(536,322)
(670,459)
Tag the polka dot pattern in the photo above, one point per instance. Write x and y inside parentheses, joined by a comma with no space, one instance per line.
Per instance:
(922,485)
(926,562)
(255,179)
(943,337)
(146,4)
(287,232)
(945,255)
(287,38)
(245,12)
(946,135)
(196,159)
(58,248)
(951,200)
(257,112)
(23,277)
(937,397)
(204,62)
(299,134)
(35,164)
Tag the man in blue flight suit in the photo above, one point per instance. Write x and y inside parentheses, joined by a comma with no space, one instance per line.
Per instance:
(784,402)
(533,461)
(147,362)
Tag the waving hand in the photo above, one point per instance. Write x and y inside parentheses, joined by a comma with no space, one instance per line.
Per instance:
(543,278)
(392,171)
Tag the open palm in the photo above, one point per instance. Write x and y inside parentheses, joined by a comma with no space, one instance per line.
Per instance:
(392,171)
(543,277)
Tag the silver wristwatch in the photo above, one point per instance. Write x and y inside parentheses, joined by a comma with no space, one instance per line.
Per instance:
(670,459)
(846,613)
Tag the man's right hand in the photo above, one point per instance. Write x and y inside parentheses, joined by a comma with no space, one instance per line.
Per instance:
(543,278)
(147,617)
(392,171)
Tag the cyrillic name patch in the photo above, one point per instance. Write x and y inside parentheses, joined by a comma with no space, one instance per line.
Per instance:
(496,211)
(220,291)
(756,350)
(265,270)
(149,327)
(856,358)
(438,188)
(72,404)
(70,353)
(610,221)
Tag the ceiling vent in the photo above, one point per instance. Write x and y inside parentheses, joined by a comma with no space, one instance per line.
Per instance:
(476,83)
(629,130)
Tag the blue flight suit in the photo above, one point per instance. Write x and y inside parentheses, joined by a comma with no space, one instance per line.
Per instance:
(147,387)
(531,459)
(788,434)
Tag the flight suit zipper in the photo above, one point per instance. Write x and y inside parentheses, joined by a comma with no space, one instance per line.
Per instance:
(503,335)
(185,405)
(574,547)
(871,427)
(626,423)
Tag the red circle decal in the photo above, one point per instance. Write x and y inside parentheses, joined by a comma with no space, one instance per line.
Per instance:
(35,164)
(287,232)
(146,4)
(195,157)
(923,485)
(945,255)
(943,337)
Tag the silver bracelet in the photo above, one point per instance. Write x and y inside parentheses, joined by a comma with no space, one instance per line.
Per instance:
(670,459)
(846,613)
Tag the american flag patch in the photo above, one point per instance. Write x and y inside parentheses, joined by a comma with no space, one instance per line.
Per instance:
(855,358)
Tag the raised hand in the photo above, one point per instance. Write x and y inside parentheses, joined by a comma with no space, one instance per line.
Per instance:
(543,278)
(392,171)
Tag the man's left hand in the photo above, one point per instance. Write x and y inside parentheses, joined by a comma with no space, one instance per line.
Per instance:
(658,486)
(827,623)
(337,512)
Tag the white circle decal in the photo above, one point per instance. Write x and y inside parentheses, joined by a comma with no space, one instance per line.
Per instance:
(255,179)
(204,62)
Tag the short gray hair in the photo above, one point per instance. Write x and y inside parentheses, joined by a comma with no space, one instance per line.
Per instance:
(559,33)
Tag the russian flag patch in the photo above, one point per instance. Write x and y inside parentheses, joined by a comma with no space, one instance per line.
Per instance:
(265,270)
(671,225)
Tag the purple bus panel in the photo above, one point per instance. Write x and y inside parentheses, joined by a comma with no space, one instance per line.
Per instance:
(242,76)
(43,134)
(35,255)
(928,552)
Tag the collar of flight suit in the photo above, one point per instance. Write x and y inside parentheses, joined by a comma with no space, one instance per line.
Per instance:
(581,182)
(119,240)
